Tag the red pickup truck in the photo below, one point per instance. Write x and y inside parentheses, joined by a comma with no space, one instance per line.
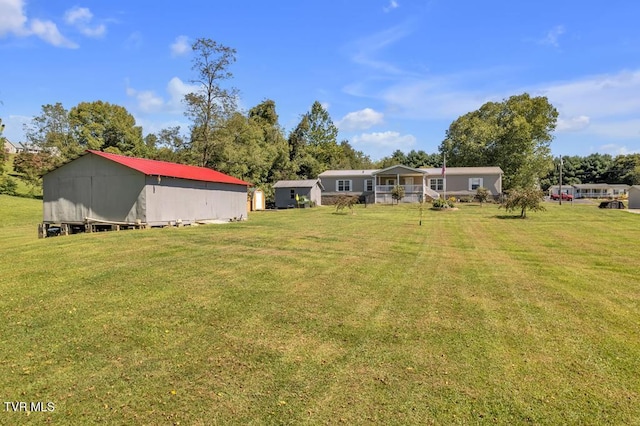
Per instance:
(567,197)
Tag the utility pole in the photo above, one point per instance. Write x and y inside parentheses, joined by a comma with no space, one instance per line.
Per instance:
(560,188)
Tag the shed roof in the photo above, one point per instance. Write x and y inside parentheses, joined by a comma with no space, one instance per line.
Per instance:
(167,169)
(308,183)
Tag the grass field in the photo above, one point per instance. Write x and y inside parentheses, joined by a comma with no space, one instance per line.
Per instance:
(311,317)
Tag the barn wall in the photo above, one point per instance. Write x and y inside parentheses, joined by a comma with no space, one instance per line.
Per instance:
(170,199)
(93,187)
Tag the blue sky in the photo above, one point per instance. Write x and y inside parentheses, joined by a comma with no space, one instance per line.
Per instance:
(393,74)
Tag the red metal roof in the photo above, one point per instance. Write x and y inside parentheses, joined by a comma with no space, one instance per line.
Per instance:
(164,168)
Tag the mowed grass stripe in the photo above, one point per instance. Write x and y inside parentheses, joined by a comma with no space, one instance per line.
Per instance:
(307,316)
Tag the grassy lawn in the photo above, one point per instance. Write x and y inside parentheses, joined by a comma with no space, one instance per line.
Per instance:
(23,189)
(312,317)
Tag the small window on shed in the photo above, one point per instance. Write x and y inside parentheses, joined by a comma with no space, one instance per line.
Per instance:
(292,194)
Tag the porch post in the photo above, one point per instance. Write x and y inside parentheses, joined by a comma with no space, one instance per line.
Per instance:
(375,189)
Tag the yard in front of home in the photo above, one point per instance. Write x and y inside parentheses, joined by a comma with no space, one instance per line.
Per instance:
(308,316)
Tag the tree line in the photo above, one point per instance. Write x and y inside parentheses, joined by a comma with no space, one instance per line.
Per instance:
(514,134)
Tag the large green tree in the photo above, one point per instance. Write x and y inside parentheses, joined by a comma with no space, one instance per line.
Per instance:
(107,127)
(313,144)
(625,169)
(211,104)
(514,134)
(51,132)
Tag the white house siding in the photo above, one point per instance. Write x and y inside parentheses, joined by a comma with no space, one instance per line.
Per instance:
(170,199)
(93,187)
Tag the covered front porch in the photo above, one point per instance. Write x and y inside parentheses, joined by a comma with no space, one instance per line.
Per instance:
(413,181)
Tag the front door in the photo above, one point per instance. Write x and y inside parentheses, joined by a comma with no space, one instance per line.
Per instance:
(409,182)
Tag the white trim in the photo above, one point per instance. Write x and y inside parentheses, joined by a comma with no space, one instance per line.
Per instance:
(370,181)
(471,180)
(344,187)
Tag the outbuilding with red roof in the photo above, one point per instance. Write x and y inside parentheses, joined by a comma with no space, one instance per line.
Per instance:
(100,187)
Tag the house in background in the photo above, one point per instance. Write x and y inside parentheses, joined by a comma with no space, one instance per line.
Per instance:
(375,186)
(592,190)
(9,147)
(100,187)
(634,197)
(286,191)
(600,190)
(566,189)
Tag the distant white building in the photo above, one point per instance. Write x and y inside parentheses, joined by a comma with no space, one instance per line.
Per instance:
(29,148)
(9,147)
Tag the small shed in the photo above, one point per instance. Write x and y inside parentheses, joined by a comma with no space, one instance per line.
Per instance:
(256,199)
(100,187)
(286,191)
(634,197)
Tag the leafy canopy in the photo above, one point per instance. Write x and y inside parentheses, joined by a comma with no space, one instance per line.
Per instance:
(514,134)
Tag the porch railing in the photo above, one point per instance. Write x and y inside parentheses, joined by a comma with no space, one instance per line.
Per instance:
(408,189)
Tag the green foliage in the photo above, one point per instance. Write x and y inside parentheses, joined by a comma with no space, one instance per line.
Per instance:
(346,201)
(211,103)
(482,194)
(31,166)
(51,131)
(442,203)
(514,134)
(89,125)
(397,193)
(594,168)
(523,199)
(8,185)
(100,125)
(415,159)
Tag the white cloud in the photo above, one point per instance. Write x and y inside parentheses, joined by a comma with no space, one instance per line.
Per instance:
(552,36)
(393,4)
(13,20)
(48,31)
(386,139)
(615,149)
(366,50)
(134,41)
(572,124)
(149,101)
(177,89)
(81,18)
(12,17)
(181,46)
(360,120)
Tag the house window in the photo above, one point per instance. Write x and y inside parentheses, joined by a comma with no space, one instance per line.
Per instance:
(474,183)
(368,185)
(436,184)
(292,194)
(391,182)
(343,185)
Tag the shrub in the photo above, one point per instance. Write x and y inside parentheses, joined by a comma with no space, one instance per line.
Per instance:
(8,185)
(441,203)
(482,194)
(523,199)
(397,193)
(346,201)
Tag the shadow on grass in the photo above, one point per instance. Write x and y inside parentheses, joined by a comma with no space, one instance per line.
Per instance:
(508,216)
